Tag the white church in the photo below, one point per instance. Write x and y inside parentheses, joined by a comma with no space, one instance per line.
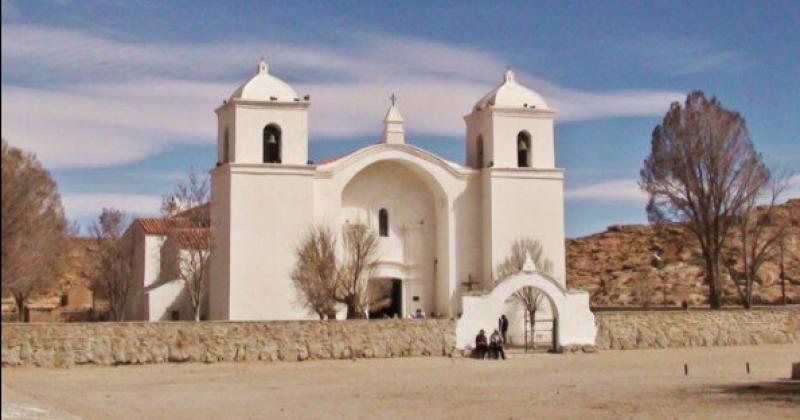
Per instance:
(443,226)
(440,223)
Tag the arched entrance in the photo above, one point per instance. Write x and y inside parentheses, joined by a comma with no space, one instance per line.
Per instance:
(575,326)
(401,206)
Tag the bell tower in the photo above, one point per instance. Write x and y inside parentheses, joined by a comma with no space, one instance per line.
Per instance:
(510,139)
(510,127)
(262,200)
(263,121)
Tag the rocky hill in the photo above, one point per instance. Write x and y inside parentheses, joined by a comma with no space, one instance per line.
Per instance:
(615,266)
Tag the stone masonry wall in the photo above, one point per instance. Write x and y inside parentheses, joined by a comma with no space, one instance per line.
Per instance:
(651,329)
(139,342)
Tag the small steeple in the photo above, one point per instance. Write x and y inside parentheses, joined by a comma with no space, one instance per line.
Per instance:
(263,67)
(509,76)
(393,131)
(528,266)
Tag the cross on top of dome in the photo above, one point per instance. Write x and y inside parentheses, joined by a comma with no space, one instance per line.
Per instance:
(509,76)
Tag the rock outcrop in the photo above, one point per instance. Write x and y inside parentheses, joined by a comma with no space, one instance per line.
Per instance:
(615,266)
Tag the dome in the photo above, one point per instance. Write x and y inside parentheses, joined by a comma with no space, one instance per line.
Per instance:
(510,94)
(265,87)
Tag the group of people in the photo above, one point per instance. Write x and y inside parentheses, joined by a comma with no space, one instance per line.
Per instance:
(493,347)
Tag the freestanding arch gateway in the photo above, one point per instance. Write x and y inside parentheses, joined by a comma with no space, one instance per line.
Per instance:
(576,324)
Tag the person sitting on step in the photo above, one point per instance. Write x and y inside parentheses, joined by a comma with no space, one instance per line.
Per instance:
(481,346)
(496,346)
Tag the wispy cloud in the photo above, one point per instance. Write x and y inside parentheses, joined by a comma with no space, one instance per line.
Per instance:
(683,56)
(619,190)
(792,187)
(627,190)
(83,206)
(81,100)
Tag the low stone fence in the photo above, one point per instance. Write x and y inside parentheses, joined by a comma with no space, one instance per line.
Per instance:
(730,327)
(158,342)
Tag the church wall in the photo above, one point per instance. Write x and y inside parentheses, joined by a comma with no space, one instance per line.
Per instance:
(525,206)
(271,210)
(467,238)
(219,282)
(250,123)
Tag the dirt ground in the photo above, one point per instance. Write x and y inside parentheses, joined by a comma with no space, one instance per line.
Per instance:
(611,384)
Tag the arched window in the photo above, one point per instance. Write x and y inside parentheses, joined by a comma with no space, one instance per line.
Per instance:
(272,144)
(479,162)
(226,147)
(523,149)
(383,222)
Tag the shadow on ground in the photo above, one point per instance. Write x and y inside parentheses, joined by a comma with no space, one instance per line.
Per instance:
(781,390)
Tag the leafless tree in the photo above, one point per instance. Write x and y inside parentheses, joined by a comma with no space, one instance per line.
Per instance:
(325,279)
(315,273)
(760,234)
(186,252)
(113,274)
(360,256)
(190,194)
(530,298)
(34,228)
(702,170)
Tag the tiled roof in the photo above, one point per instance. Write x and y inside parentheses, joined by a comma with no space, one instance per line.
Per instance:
(161,225)
(191,237)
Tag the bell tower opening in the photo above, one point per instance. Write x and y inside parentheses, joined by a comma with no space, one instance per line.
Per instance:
(523,149)
(272,144)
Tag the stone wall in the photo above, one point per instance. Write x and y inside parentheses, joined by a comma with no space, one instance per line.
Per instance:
(660,329)
(140,342)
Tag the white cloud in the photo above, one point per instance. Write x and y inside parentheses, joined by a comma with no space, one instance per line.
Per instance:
(100,101)
(619,190)
(82,206)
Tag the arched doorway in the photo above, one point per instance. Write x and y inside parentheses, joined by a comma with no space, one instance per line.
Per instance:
(531,319)
(575,323)
(400,206)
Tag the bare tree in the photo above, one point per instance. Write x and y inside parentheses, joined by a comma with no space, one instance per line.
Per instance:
(530,298)
(186,252)
(316,271)
(34,228)
(360,256)
(190,194)
(702,170)
(760,234)
(113,273)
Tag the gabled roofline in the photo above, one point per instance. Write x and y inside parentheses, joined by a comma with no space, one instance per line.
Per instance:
(453,168)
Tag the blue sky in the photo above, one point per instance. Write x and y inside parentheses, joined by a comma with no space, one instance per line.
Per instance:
(117,97)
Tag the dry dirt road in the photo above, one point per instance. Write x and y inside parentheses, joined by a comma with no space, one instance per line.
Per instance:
(611,384)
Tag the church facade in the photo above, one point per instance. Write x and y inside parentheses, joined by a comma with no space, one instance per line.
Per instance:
(443,226)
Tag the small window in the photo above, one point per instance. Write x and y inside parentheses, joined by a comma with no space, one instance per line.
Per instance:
(383,222)
(479,145)
(523,149)
(272,144)
(175,315)
(64,300)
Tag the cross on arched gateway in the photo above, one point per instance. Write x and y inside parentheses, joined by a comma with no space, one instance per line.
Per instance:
(576,324)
